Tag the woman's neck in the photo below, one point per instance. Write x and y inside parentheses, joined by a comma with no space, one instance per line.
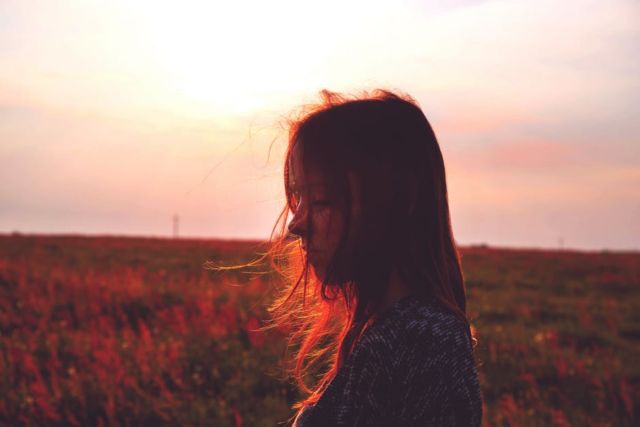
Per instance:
(396,290)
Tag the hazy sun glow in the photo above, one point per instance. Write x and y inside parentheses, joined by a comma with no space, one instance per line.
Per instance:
(233,57)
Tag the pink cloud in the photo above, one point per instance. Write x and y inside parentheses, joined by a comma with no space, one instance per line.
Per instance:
(530,155)
(526,156)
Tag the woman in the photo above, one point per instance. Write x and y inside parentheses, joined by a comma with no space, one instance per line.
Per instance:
(377,303)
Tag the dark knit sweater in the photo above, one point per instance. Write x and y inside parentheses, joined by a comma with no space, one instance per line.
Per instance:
(413,366)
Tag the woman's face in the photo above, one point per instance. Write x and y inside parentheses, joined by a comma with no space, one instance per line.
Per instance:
(317,220)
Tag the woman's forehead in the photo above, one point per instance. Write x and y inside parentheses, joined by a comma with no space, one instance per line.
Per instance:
(304,177)
(307,181)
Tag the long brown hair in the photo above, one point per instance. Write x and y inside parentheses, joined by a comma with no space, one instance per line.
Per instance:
(386,141)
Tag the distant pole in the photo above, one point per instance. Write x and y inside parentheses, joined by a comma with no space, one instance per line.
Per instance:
(561,243)
(176,225)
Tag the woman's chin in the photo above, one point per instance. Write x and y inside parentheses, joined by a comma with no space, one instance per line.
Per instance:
(318,272)
(324,277)
(322,272)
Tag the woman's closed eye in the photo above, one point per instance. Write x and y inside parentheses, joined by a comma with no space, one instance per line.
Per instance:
(321,203)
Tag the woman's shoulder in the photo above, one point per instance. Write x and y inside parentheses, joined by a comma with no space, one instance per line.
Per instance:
(434,375)
(413,358)
(414,321)
(420,356)
(412,328)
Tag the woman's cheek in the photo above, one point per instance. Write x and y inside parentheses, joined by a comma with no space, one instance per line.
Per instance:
(322,225)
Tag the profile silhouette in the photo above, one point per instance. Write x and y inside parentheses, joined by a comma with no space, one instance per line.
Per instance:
(376,294)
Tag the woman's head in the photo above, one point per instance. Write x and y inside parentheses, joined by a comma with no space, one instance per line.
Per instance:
(365,182)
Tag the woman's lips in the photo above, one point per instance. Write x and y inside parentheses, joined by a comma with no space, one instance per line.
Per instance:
(307,250)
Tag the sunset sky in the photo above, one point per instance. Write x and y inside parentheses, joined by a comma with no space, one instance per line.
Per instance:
(116,115)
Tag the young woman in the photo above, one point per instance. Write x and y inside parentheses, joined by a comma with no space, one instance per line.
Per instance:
(376,307)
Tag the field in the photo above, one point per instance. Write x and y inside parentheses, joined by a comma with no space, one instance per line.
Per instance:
(131,331)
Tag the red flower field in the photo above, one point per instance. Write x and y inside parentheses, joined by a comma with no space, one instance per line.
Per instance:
(130,331)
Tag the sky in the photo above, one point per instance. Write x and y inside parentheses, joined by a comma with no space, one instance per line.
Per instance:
(117,115)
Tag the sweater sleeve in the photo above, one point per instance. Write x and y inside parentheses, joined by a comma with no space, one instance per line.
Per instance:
(436,380)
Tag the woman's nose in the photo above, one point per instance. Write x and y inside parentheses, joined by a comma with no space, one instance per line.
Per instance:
(297,225)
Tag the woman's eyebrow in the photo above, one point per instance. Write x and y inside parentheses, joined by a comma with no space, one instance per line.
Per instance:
(317,184)
(297,188)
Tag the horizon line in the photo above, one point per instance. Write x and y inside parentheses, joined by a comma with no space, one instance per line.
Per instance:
(258,240)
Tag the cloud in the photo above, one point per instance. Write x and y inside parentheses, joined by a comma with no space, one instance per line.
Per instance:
(529,155)
(516,156)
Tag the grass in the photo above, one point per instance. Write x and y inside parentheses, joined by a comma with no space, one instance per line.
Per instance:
(130,331)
